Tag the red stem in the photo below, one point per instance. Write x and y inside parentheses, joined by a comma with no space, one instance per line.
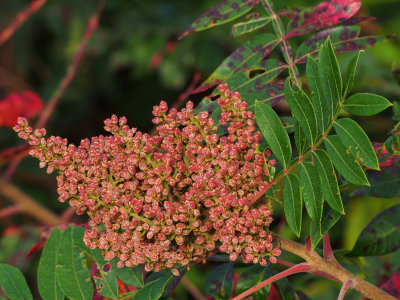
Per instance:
(9,211)
(65,82)
(347,285)
(303,267)
(328,253)
(19,19)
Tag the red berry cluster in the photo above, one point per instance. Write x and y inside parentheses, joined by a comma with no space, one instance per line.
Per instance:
(168,199)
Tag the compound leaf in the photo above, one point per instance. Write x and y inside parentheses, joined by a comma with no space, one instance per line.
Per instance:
(292,202)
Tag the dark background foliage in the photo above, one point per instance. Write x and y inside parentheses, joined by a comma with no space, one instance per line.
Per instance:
(133,61)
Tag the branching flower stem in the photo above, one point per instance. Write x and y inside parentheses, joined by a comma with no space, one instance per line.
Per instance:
(332,267)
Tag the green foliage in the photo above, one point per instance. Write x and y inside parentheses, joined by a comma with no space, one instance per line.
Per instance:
(292,203)
(381,236)
(219,283)
(48,284)
(365,104)
(274,133)
(13,283)
(252,276)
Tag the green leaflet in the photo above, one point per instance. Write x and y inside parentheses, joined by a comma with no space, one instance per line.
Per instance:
(344,162)
(249,26)
(274,133)
(72,271)
(252,276)
(319,102)
(381,236)
(327,174)
(311,189)
(292,203)
(330,77)
(302,110)
(107,282)
(219,283)
(357,142)
(365,104)
(154,289)
(221,13)
(317,231)
(13,283)
(299,138)
(351,73)
(48,285)
(131,276)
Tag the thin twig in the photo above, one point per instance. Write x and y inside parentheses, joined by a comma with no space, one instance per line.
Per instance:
(49,108)
(9,211)
(192,289)
(19,19)
(27,204)
(303,267)
(347,285)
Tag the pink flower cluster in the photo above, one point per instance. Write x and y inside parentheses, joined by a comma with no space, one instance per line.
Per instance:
(169,199)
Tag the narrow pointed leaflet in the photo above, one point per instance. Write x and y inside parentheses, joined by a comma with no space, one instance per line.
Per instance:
(311,189)
(329,181)
(274,133)
(344,162)
(13,283)
(351,73)
(365,104)
(292,203)
(48,285)
(302,110)
(357,142)
(319,103)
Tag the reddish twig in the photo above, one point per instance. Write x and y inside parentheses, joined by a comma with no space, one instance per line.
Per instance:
(347,285)
(328,253)
(67,214)
(183,96)
(49,108)
(9,211)
(303,267)
(19,19)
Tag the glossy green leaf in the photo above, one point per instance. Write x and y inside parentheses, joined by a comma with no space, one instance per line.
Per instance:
(221,13)
(252,276)
(311,188)
(317,231)
(357,142)
(329,182)
(381,236)
(299,138)
(344,162)
(154,289)
(351,73)
(292,203)
(274,133)
(302,110)
(13,283)
(319,103)
(249,26)
(365,104)
(72,270)
(330,77)
(48,285)
(219,283)
(107,282)
(131,276)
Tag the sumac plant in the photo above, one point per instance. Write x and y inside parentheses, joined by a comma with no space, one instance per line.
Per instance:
(206,184)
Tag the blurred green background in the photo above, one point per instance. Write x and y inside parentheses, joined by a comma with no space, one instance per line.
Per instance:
(133,61)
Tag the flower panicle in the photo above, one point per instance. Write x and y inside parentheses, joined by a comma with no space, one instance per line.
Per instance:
(172,198)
